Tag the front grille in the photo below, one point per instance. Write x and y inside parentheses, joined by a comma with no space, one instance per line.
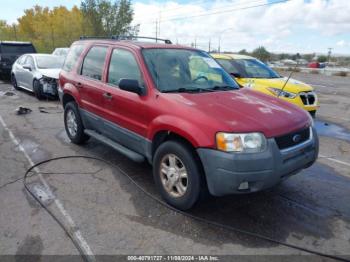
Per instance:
(293,139)
(308,98)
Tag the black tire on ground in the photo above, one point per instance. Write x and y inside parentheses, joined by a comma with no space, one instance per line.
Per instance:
(14,82)
(79,137)
(38,90)
(195,182)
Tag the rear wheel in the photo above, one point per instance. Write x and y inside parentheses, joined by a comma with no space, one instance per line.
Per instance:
(177,174)
(14,82)
(73,124)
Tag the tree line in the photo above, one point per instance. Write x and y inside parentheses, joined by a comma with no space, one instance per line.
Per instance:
(58,27)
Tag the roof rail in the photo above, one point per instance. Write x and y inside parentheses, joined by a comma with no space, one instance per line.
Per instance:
(126,37)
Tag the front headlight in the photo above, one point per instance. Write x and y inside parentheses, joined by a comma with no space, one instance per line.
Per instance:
(279,92)
(246,143)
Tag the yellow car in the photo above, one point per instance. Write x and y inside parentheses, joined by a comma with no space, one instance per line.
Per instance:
(250,72)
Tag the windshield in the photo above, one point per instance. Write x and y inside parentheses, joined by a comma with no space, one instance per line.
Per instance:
(176,70)
(248,68)
(47,62)
(17,49)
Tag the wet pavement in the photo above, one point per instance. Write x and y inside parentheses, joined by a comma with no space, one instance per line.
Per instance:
(332,130)
(310,209)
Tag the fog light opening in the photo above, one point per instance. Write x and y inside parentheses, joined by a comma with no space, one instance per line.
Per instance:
(244,186)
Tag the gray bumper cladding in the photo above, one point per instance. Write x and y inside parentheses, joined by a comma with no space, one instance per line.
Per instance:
(236,173)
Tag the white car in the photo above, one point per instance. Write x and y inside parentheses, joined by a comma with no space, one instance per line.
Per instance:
(37,73)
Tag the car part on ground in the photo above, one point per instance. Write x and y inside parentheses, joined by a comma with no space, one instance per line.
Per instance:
(252,73)
(177,107)
(23,110)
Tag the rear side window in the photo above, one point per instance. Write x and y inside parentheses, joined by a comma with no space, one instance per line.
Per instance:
(123,65)
(72,57)
(93,62)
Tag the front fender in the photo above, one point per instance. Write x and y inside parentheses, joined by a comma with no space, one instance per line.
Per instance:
(181,127)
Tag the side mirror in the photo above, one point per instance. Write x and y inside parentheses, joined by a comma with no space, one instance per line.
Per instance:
(131,85)
(28,67)
(237,75)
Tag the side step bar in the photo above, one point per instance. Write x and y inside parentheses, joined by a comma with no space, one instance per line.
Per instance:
(121,149)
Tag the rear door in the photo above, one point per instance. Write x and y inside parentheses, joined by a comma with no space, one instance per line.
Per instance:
(124,111)
(89,83)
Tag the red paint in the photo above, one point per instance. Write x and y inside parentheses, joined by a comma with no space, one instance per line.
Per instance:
(194,116)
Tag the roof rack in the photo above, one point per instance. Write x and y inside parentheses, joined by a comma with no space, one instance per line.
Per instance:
(126,37)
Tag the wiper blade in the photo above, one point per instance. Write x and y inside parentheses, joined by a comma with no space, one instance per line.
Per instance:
(187,90)
(223,87)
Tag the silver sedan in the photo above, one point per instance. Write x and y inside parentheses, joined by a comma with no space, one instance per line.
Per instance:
(37,73)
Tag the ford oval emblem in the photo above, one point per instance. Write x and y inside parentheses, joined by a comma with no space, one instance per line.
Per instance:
(296,138)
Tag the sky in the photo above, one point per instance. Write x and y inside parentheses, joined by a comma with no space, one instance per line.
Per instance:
(303,26)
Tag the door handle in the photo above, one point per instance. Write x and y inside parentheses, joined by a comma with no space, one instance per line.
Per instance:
(107,96)
(79,85)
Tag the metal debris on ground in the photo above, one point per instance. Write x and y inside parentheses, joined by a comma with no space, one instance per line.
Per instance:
(23,110)
(50,110)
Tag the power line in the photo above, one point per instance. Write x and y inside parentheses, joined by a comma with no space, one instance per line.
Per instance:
(221,12)
(202,12)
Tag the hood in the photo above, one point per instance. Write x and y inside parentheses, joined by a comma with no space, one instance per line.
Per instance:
(51,73)
(242,111)
(293,85)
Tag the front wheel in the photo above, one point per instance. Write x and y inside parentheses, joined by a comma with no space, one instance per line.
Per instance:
(73,124)
(38,89)
(177,174)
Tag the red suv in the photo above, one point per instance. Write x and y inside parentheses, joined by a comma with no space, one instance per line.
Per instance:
(175,107)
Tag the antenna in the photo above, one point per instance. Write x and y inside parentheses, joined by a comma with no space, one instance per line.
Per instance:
(285,83)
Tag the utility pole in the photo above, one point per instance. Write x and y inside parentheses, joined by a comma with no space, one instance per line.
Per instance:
(219,48)
(209,46)
(156,30)
(195,42)
(160,17)
(329,54)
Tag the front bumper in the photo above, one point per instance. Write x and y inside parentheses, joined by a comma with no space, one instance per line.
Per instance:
(60,93)
(225,172)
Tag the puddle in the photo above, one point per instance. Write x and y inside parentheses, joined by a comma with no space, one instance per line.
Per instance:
(332,130)
(7,93)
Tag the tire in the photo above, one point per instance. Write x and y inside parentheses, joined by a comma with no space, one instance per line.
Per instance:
(184,157)
(38,90)
(73,122)
(313,114)
(14,82)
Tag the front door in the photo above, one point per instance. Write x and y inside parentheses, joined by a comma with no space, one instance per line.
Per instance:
(125,111)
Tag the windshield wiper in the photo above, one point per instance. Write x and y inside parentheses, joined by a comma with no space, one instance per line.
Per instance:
(223,87)
(188,90)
